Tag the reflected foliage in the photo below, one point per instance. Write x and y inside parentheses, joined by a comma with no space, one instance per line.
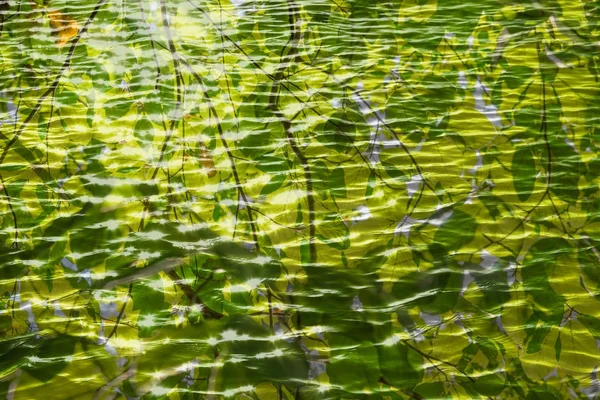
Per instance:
(299,199)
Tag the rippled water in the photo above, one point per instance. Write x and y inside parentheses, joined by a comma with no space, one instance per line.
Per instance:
(299,199)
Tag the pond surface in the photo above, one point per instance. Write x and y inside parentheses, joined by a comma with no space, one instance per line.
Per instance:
(299,199)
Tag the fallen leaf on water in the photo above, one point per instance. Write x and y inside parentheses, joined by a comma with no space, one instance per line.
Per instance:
(64,26)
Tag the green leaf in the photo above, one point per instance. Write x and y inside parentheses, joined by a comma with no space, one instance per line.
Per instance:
(537,338)
(490,385)
(548,69)
(524,172)
(51,357)
(436,292)
(431,390)
(271,164)
(497,93)
(91,112)
(42,128)
(354,364)
(338,132)
(321,178)
(400,365)
(370,185)
(305,252)
(529,118)
(12,167)
(143,131)
(564,177)
(392,171)
(266,360)
(67,98)
(334,232)
(458,230)
(337,183)
(516,76)
(117,107)
(100,77)
(405,114)
(45,202)
(493,285)
(535,273)
(558,347)
(275,182)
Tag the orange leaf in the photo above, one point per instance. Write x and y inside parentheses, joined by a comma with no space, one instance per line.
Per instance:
(64,26)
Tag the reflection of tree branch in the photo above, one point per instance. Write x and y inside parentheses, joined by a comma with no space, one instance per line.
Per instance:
(192,295)
(178,82)
(431,358)
(54,84)
(24,152)
(214,373)
(238,182)
(296,230)
(409,393)
(424,182)
(114,330)
(143,15)
(380,121)
(548,149)
(48,134)
(544,131)
(293,11)
(505,247)
(402,145)
(15,242)
(225,74)
(115,382)
(250,59)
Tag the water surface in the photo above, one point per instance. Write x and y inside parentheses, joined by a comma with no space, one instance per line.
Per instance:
(299,199)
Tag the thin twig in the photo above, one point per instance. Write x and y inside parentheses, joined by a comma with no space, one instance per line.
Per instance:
(238,182)
(54,84)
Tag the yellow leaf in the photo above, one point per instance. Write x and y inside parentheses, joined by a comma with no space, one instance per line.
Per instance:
(579,354)
(565,278)
(418,11)
(542,363)
(515,314)
(450,338)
